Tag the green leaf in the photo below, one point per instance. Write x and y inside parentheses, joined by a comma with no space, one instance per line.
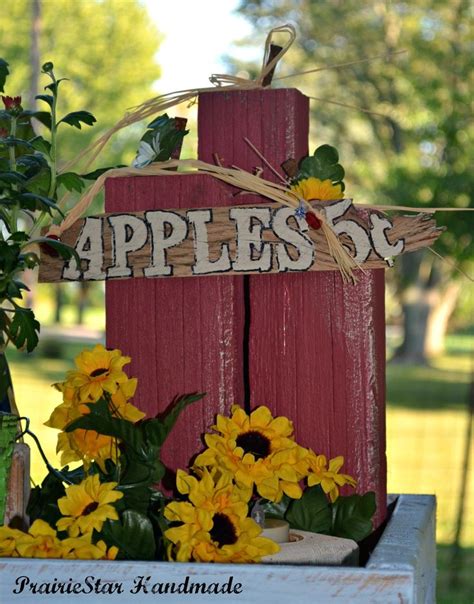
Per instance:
(323,165)
(34,201)
(96,173)
(47,98)
(157,430)
(76,118)
(54,85)
(43,500)
(12,177)
(3,73)
(70,181)
(65,251)
(310,513)
(132,534)
(40,144)
(24,329)
(42,116)
(352,516)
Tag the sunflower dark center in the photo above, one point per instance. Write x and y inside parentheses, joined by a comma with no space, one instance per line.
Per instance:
(223,531)
(91,507)
(98,372)
(254,442)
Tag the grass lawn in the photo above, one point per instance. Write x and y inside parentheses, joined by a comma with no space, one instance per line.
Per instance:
(426,426)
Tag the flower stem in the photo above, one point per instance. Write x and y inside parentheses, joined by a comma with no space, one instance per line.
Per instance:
(12,161)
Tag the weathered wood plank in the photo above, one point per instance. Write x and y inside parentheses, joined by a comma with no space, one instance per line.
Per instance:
(409,543)
(124,245)
(182,335)
(249,584)
(401,570)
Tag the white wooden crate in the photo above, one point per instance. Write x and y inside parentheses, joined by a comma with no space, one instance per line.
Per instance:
(401,570)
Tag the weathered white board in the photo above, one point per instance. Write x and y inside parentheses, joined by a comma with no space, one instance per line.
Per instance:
(401,570)
(245,239)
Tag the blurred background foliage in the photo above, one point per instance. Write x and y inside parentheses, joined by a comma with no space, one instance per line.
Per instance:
(412,146)
(416,154)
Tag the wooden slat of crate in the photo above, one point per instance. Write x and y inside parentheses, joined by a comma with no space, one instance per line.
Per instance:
(401,570)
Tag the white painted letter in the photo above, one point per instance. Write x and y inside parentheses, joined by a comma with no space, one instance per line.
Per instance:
(129,234)
(90,247)
(252,253)
(303,245)
(203,265)
(178,231)
(382,245)
(349,227)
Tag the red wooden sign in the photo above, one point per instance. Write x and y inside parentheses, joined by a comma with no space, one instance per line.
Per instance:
(306,345)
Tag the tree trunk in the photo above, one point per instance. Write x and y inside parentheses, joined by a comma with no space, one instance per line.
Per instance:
(439,318)
(82,300)
(426,313)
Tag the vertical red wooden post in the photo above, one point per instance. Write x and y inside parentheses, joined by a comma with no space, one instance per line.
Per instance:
(316,346)
(184,335)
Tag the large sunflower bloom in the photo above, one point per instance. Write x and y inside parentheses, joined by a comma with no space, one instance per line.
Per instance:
(257,450)
(314,188)
(86,506)
(328,477)
(213,524)
(97,371)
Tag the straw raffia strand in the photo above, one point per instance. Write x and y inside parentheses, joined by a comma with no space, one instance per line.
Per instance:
(240,179)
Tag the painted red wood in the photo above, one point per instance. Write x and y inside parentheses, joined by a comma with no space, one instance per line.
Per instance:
(316,346)
(184,335)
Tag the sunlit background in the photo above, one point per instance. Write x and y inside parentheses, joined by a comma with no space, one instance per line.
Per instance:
(118,53)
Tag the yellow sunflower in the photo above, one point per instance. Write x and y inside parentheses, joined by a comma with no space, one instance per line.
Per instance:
(86,506)
(40,542)
(328,477)
(97,371)
(88,445)
(82,548)
(257,450)
(213,524)
(8,540)
(314,188)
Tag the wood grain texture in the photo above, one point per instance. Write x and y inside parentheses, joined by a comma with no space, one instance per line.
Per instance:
(415,232)
(182,335)
(316,346)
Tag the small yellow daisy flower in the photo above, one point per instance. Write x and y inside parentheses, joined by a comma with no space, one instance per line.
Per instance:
(97,371)
(328,477)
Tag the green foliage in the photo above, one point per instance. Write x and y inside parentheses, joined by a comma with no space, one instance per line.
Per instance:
(43,502)
(3,73)
(132,534)
(413,145)
(349,516)
(310,513)
(106,48)
(323,164)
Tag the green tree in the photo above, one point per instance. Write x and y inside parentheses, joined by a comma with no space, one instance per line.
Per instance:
(107,49)
(418,153)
